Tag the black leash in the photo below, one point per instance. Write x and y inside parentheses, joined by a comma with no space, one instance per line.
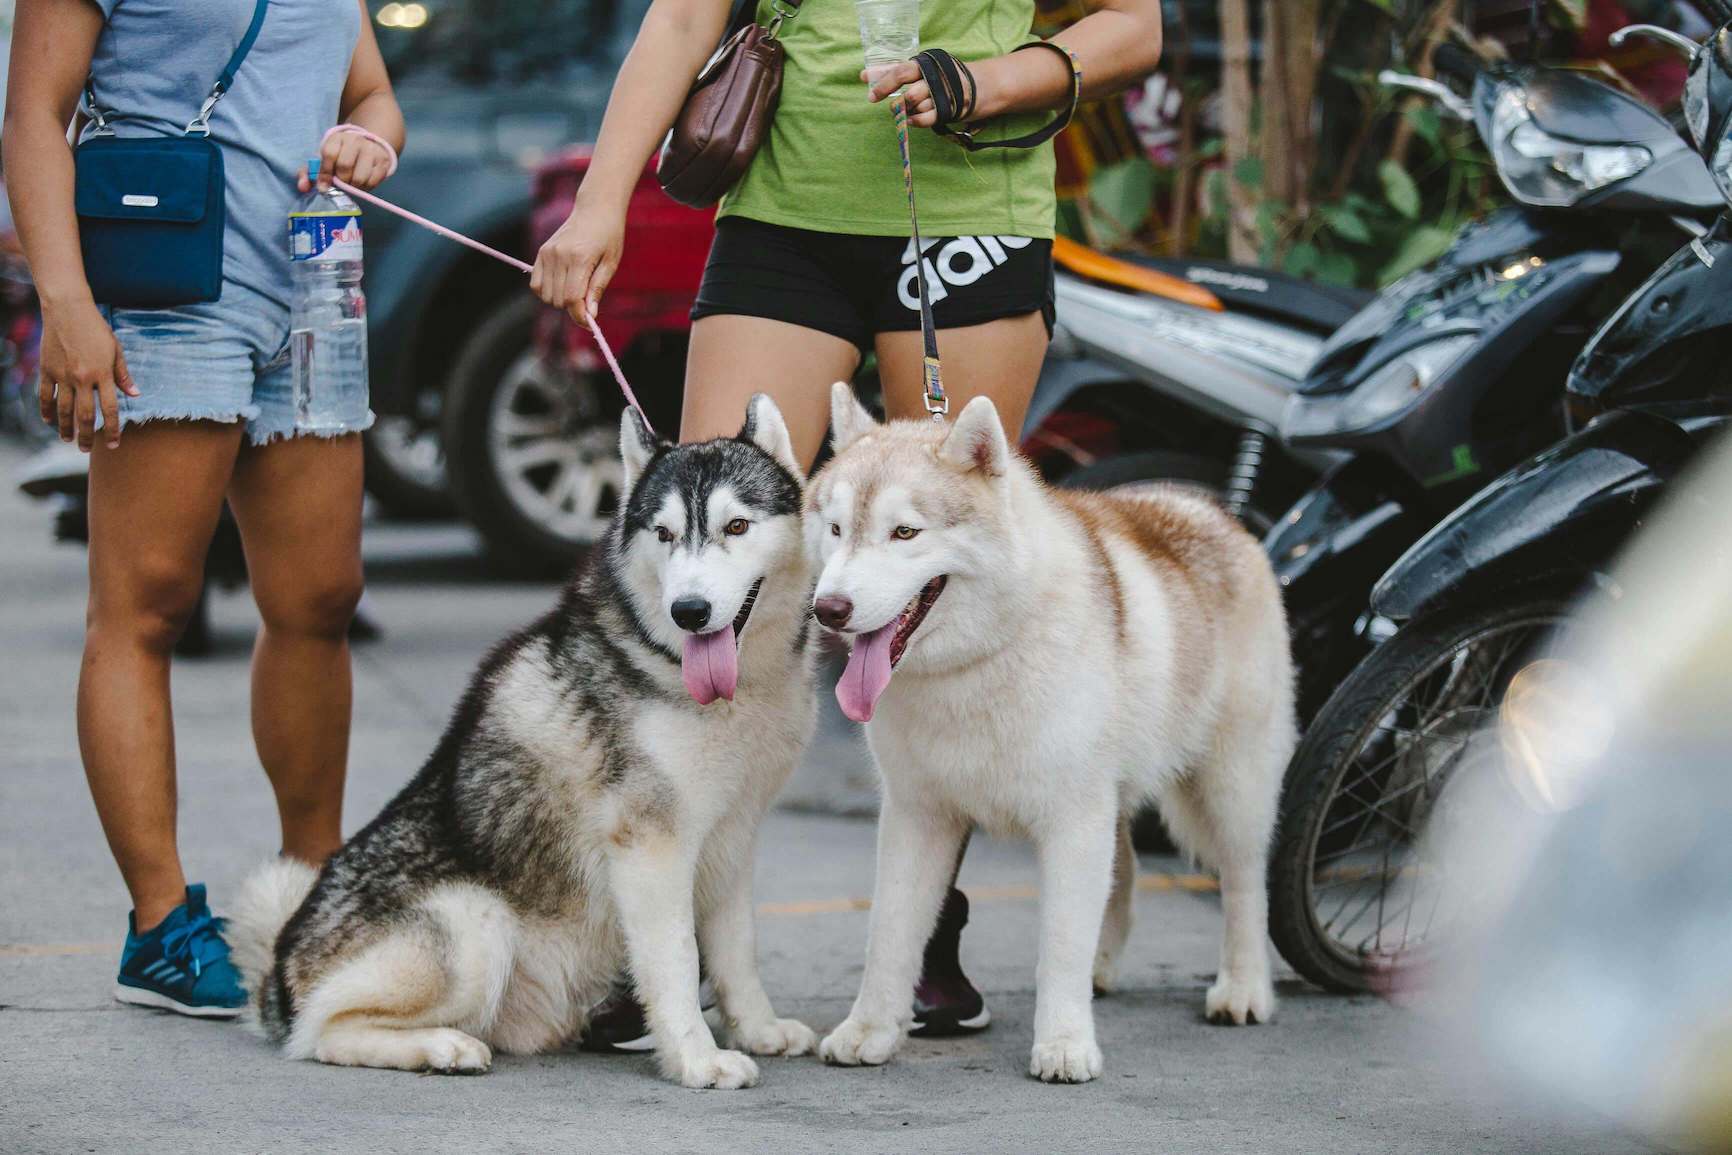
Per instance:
(937,404)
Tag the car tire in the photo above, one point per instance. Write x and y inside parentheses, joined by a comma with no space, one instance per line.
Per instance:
(568,425)
(404,465)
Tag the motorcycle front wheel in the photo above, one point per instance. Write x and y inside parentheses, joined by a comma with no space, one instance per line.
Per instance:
(1356,901)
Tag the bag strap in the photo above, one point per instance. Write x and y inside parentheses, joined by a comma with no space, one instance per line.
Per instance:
(225,80)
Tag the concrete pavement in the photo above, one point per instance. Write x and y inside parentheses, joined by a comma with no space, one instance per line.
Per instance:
(79,1072)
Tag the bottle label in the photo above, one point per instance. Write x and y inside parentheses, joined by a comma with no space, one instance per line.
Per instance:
(325,236)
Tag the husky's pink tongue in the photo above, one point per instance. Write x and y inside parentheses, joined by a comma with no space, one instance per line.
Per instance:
(711,665)
(867,674)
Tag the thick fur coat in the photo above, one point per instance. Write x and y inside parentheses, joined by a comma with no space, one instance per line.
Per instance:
(583,814)
(1083,653)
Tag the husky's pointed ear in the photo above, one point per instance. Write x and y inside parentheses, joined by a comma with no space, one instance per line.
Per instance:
(636,445)
(977,440)
(765,428)
(849,420)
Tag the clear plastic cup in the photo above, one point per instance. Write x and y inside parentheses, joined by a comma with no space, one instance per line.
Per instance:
(889,33)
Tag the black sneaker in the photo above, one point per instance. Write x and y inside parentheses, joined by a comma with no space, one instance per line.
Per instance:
(945,1002)
(617,1025)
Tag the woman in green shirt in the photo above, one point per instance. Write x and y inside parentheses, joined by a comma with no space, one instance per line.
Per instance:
(812,265)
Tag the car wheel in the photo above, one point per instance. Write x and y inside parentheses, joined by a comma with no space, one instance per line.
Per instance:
(532,448)
(404,458)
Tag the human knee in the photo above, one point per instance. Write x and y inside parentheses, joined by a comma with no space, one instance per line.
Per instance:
(320,605)
(151,601)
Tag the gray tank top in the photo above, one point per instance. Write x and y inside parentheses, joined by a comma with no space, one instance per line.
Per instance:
(154,64)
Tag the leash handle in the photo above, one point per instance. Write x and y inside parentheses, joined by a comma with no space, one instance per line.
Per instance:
(937,404)
(470,242)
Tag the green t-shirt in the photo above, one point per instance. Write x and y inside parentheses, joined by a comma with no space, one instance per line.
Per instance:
(831,161)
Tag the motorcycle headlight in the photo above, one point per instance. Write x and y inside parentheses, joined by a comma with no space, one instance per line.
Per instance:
(1540,169)
(1387,392)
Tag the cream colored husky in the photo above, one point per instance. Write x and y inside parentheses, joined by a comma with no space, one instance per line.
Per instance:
(1041,662)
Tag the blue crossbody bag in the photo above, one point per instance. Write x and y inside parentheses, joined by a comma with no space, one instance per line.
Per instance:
(151,210)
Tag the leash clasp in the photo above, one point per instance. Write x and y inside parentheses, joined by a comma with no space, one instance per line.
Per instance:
(937,402)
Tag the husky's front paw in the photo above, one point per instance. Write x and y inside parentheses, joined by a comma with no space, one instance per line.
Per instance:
(723,1070)
(451,1052)
(1065,1061)
(775,1037)
(856,1043)
(1238,1001)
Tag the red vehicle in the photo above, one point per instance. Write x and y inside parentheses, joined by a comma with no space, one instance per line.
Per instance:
(531,418)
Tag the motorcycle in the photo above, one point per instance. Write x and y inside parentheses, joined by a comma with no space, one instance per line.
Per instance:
(1452,374)
(1179,370)
(1475,609)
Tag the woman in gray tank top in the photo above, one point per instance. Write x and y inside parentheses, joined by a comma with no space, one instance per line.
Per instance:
(183,407)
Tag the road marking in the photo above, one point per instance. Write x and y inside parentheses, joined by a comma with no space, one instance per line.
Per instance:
(1190,883)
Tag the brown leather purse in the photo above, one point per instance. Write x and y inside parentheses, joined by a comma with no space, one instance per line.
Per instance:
(727,114)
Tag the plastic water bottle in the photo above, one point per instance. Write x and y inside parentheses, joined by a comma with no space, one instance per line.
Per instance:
(327,311)
(889,33)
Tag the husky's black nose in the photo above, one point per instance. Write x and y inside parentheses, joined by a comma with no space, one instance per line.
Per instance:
(834,611)
(691,613)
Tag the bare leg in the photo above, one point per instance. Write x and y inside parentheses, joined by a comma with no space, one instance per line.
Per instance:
(652,880)
(154,504)
(1116,927)
(298,505)
(1000,359)
(1076,873)
(731,358)
(728,939)
(916,847)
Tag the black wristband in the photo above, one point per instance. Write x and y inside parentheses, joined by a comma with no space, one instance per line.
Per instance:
(953,100)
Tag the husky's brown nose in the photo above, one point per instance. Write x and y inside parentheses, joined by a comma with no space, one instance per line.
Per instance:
(833,611)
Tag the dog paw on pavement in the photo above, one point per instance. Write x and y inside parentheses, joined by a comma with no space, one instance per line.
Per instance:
(1237,1001)
(857,1043)
(775,1037)
(722,1070)
(1065,1061)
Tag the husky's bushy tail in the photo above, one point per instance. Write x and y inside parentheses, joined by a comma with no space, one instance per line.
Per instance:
(267,900)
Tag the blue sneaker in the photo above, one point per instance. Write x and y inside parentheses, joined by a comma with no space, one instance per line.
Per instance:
(182,964)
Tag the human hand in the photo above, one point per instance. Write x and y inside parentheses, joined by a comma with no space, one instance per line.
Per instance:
(574,266)
(979,103)
(82,369)
(351,157)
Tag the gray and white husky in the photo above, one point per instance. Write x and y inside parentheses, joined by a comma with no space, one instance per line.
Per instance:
(593,804)
(1040,662)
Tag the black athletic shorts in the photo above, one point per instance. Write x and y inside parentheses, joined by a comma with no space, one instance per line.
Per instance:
(854,287)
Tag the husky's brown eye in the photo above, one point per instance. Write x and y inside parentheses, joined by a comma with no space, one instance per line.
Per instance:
(905,533)
(736,527)
(835,530)
(664,534)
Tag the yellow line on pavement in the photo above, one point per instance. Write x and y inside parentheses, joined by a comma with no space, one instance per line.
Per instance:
(1191,883)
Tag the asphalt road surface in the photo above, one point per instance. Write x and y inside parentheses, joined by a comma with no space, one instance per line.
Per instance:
(79,1072)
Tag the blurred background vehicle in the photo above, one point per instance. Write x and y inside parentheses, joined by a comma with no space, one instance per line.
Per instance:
(1487,594)
(490,90)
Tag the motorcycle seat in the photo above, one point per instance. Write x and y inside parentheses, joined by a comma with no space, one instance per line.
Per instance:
(1275,296)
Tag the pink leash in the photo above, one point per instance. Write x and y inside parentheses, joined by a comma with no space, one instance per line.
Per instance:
(471,242)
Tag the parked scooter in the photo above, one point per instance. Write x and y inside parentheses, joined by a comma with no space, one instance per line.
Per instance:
(1454,372)
(1179,370)
(1480,601)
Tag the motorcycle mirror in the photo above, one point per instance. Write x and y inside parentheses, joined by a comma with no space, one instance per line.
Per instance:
(1685,46)
(1708,101)
(1452,104)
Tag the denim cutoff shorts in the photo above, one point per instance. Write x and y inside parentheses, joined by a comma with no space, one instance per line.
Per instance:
(223,360)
